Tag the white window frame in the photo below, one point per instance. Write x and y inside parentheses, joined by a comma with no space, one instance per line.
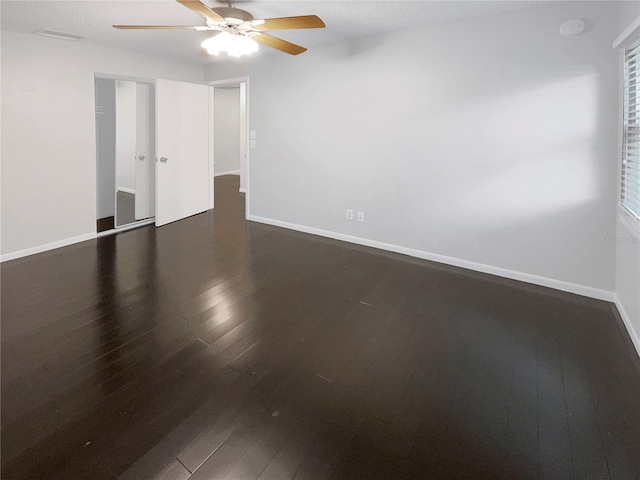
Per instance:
(630,168)
(630,35)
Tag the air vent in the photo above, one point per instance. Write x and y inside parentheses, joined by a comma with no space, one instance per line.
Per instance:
(61,35)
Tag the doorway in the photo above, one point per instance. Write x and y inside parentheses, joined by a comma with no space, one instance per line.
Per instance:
(230,130)
(125,153)
(154,152)
(227,136)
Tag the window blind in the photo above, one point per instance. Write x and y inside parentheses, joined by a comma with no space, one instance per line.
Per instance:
(631,131)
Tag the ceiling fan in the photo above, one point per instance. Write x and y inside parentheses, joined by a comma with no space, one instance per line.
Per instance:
(239,33)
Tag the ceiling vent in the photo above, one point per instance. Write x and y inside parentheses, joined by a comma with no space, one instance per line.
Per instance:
(61,35)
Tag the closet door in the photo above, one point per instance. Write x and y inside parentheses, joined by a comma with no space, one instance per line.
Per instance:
(144,161)
(182,149)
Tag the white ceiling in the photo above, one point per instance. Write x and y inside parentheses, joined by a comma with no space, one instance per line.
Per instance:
(344,19)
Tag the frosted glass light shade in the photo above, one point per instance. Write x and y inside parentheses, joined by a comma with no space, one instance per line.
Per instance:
(234,45)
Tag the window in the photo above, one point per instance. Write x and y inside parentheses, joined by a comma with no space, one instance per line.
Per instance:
(630,197)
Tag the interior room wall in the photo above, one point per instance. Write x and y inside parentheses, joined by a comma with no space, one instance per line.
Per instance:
(494,151)
(226,130)
(48,133)
(126,107)
(227,69)
(627,239)
(106,141)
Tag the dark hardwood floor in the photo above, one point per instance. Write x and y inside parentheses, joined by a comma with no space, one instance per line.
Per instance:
(215,348)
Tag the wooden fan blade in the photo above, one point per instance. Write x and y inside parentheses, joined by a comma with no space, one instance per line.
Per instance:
(306,21)
(201,9)
(157,27)
(278,44)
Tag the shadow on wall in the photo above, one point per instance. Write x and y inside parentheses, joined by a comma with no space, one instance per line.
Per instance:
(464,148)
(525,152)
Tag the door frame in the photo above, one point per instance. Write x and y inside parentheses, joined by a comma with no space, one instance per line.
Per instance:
(139,223)
(243,82)
(152,81)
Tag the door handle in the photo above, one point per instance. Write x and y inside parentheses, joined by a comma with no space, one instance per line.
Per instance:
(141,157)
(163,159)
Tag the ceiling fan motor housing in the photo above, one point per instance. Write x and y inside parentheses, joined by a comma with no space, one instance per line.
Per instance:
(233,13)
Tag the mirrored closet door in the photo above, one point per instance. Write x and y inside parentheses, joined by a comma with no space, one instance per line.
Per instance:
(125,143)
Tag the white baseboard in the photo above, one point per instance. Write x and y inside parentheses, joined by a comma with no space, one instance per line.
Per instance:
(635,336)
(501,272)
(48,246)
(230,172)
(126,190)
(242,190)
(434,257)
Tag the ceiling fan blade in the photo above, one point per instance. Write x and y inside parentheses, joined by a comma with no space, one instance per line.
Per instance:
(278,44)
(158,27)
(306,21)
(201,9)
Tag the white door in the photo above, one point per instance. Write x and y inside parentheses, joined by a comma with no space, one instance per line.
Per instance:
(182,148)
(144,161)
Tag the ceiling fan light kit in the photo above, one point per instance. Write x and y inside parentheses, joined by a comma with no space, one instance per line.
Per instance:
(240,33)
(236,45)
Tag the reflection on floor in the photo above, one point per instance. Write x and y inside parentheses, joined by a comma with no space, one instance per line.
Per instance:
(216,348)
(126,205)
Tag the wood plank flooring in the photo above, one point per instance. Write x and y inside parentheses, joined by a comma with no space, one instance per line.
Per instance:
(215,348)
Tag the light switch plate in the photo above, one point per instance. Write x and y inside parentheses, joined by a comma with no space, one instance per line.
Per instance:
(253,134)
(253,144)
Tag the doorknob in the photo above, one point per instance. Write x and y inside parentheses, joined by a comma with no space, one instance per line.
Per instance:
(141,157)
(163,159)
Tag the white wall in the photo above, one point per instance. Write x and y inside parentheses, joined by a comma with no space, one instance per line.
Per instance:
(226,130)
(48,132)
(227,69)
(628,232)
(489,140)
(126,115)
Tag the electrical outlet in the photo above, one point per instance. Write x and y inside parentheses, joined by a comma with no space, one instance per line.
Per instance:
(253,144)
(360,217)
(253,134)
(349,214)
